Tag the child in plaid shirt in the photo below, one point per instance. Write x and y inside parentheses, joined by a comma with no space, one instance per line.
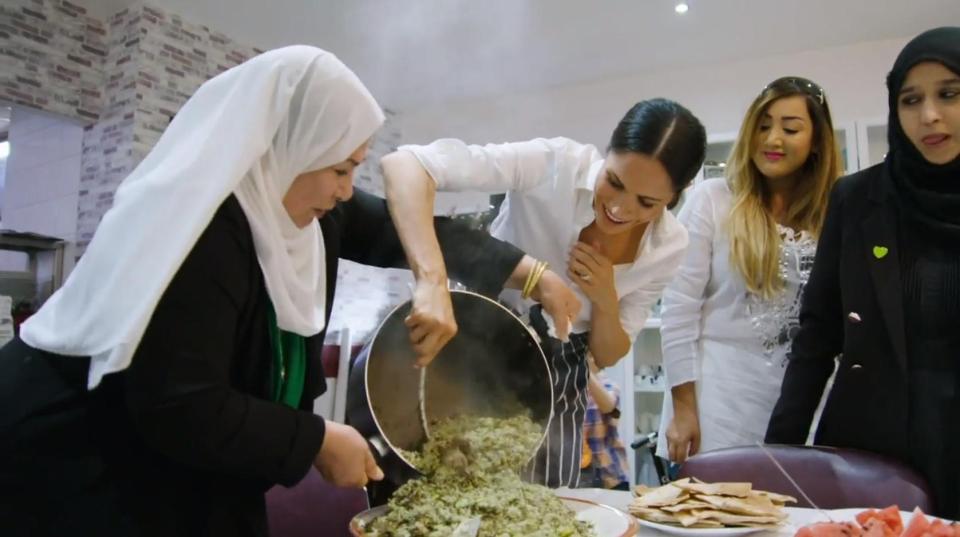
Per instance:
(604,461)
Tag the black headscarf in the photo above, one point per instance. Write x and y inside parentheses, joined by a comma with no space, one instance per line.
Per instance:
(929,193)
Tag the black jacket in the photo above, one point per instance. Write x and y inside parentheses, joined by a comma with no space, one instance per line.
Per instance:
(185,441)
(853,307)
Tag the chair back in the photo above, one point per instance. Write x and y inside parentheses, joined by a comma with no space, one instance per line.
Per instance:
(834,478)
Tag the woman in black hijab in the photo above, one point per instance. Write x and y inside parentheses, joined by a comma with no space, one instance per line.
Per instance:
(897,331)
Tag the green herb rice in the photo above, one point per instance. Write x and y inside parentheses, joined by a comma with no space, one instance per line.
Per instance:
(472,469)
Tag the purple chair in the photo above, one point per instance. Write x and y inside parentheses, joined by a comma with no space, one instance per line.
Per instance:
(833,478)
(313,508)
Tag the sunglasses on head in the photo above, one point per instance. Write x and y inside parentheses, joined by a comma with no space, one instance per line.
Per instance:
(795,82)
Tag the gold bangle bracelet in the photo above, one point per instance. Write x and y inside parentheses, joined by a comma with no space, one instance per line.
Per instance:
(533,279)
(536,278)
(525,293)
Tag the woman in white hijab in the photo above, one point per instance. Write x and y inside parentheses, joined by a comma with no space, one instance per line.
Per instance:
(169,383)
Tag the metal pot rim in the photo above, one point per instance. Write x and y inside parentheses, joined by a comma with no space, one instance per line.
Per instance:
(527,329)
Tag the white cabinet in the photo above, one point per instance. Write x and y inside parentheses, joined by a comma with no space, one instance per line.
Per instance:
(719,146)
(871,141)
(641,393)
(846,136)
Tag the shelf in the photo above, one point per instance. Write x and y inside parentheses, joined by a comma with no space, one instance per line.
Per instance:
(45,257)
(28,242)
(645,386)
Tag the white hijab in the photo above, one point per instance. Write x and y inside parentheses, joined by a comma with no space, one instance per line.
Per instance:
(249,132)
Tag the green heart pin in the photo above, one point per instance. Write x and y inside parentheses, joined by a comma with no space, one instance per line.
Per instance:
(880,251)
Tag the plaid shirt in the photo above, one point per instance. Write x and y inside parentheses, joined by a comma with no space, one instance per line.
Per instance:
(600,430)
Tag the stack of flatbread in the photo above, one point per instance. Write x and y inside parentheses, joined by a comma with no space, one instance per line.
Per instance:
(695,504)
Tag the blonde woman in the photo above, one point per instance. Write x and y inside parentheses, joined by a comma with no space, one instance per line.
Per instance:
(731,311)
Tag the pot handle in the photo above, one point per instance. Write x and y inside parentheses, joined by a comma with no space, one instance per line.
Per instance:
(379,445)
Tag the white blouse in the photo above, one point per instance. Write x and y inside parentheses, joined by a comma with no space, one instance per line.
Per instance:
(732,343)
(549,185)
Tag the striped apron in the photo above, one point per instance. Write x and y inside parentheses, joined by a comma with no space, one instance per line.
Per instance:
(557,463)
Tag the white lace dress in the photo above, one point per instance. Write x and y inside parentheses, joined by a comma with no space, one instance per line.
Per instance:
(730,342)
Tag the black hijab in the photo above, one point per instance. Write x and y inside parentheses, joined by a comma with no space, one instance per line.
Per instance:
(929,193)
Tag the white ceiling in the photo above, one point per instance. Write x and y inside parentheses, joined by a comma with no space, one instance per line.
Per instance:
(414,52)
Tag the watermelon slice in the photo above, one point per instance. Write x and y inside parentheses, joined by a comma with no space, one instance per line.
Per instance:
(939,529)
(918,525)
(883,523)
(889,517)
(830,529)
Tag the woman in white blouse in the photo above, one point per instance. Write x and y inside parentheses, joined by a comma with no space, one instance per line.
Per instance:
(600,220)
(729,314)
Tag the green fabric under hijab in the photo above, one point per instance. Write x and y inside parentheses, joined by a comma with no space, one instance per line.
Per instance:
(289,363)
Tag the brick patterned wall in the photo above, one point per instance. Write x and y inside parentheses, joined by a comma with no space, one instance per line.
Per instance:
(156,61)
(176,58)
(108,143)
(51,57)
(126,77)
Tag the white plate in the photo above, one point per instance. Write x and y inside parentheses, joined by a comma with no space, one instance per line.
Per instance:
(607,521)
(703,532)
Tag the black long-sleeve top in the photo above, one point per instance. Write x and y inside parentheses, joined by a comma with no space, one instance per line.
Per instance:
(186,440)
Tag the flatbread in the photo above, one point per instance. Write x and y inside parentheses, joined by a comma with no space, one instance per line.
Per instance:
(728,519)
(691,503)
(755,505)
(661,496)
(776,498)
(740,490)
(653,515)
(642,489)
(661,517)
(689,518)
(688,505)
(705,524)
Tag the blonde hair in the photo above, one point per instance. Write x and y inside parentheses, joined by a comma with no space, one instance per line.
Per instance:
(754,237)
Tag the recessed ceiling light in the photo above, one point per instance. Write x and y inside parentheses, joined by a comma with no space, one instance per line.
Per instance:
(681,8)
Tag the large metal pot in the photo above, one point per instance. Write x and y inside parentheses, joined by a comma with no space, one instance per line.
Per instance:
(492,367)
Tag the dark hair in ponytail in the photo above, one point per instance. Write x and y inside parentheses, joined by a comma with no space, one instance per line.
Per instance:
(664,130)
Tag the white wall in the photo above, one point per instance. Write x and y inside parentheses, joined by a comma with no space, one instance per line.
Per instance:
(853,77)
(4,149)
(42,176)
